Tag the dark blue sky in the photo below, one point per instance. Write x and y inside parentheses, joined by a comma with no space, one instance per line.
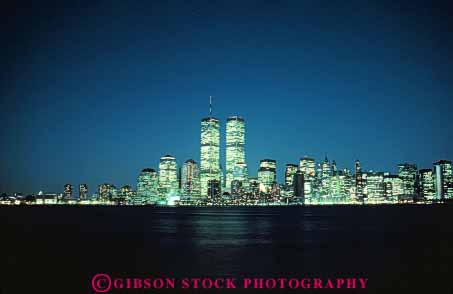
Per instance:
(93,93)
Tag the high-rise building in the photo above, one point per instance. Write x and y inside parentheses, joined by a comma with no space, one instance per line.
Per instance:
(267,175)
(210,153)
(147,187)
(106,192)
(68,191)
(190,179)
(83,191)
(359,182)
(125,194)
(235,146)
(427,189)
(298,187)
(345,183)
(254,186)
(214,191)
(443,179)
(375,187)
(325,177)
(240,173)
(393,187)
(168,177)
(408,175)
(290,171)
(307,167)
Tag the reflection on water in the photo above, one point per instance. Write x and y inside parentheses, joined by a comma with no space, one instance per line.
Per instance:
(396,247)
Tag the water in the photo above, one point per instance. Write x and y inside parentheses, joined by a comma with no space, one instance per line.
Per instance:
(59,249)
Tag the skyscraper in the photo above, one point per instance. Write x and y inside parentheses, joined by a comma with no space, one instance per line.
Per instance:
(408,174)
(325,177)
(307,167)
(359,181)
(298,187)
(235,146)
(106,192)
(147,187)
(443,179)
(68,191)
(427,189)
(83,191)
(393,187)
(267,175)
(210,151)
(375,187)
(290,171)
(240,173)
(168,177)
(190,179)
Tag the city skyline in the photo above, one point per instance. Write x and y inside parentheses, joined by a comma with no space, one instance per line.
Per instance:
(279,170)
(309,182)
(95,93)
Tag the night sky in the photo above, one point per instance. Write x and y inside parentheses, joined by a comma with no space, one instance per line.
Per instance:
(95,92)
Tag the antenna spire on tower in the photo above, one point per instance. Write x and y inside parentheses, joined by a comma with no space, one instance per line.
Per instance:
(210,105)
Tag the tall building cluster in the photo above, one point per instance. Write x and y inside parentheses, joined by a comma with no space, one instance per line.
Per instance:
(305,182)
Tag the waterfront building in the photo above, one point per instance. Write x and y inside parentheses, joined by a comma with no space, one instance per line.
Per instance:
(290,172)
(393,187)
(210,153)
(106,192)
(190,179)
(325,177)
(254,186)
(125,194)
(168,178)
(443,179)
(68,188)
(307,167)
(147,187)
(427,188)
(345,183)
(214,191)
(235,147)
(360,182)
(408,174)
(83,191)
(298,187)
(267,175)
(240,173)
(375,188)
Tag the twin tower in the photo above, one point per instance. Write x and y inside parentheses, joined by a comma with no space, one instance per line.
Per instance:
(210,171)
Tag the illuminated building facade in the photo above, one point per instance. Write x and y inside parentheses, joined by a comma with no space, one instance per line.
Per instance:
(106,192)
(359,182)
(298,187)
(290,172)
(147,187)
(83,191)
(125,194)
(408,175)
(267,175)
(443,179)
(210,153)
(235,146)
(375,188)
(427,188)
(68,189)
(190,179)
(168,177)
(325,177)
(307,167)
(393,187)
(240,173)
